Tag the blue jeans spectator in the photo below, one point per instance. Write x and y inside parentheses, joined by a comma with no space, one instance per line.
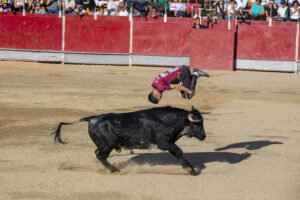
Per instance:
(53,11)
(231,17)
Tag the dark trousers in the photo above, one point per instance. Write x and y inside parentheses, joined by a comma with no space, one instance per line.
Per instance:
(187,80)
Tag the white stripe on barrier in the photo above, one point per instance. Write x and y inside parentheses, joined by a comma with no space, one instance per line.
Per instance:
(297,49)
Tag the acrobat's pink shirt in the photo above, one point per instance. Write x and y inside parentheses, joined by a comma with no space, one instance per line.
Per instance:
(162,81)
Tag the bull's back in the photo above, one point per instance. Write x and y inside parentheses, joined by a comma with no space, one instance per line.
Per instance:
(137,129)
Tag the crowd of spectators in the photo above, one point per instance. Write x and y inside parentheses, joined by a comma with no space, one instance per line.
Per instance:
(279,10)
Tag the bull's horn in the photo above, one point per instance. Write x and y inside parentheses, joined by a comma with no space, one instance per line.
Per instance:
(190,117)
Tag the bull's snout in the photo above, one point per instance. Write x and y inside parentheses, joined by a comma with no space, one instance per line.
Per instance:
(202,137)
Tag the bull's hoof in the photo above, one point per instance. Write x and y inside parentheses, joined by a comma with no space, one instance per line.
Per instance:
(193,172)
(114,169)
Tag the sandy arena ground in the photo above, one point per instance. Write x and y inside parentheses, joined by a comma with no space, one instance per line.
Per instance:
(252,150)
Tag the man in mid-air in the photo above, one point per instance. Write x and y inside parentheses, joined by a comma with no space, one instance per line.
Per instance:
(180,78)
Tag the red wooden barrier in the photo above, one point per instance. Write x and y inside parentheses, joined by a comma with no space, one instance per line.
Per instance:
(32,33)
(261,42)
(161,39)
(212,50)
(105,35)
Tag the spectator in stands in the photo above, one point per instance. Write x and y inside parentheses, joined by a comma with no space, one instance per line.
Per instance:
(19,5)
(99,3)
(257,11)
(179,8)
(230,8)
(271,10)
(122,11)
(53,6)
(80,11)
(4,7)
(241,3)
(101,11)
(197,24)
(241,14)
(112,7)
(283,11)
(160,7)
(220,6)
(140,7)
(154,13)
(88,5)
(214,16)
(69,6)
(294,11)
(39,9)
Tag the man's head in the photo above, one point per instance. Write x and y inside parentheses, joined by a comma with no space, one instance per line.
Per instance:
(154,96)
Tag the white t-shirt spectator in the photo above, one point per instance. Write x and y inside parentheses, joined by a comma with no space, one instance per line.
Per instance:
(294,16)
(112,4)
(282,11)
(178,6)
(241,3)
(123,13)
(69,3)
(100,3)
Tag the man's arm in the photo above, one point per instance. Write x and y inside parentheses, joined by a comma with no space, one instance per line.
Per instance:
(181,88)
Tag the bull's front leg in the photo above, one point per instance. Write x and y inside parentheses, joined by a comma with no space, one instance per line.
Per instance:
(178,153)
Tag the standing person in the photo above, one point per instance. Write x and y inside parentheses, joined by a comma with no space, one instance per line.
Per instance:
(294,11)
(180,78)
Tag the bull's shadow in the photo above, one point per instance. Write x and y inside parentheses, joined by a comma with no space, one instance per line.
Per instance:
(253,145)
(198,160)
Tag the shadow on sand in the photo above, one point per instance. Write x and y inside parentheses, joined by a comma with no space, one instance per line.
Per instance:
(253,145)
(198,160)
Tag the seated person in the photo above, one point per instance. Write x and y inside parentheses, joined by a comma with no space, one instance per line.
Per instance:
(257,11)
(283,11)
(102,11)
(241,14)
(230,8)
(197,24)
(214,16)
(88,5)
(80,11)
(140,7)
(19,5)
(154,13)
(53,6)
(4,7)
(112,7)
(271,10)
(160,7)
(69,6)
(38,9)
(294,11)
(122,11)
(220,7)
(179,8)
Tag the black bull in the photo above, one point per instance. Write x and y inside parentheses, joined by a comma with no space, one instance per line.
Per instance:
(156,127)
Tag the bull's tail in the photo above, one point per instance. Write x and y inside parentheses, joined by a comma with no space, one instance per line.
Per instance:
(57,137)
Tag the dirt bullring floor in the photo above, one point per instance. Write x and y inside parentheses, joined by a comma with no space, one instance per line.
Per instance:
(252,150)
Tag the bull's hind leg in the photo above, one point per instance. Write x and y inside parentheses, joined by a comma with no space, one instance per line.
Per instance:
(102,156)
